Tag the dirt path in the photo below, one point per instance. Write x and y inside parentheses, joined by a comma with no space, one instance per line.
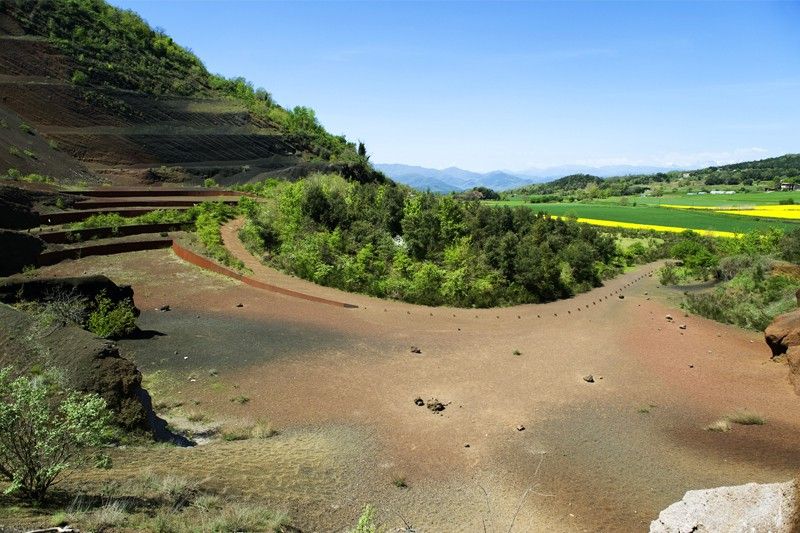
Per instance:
(340,384)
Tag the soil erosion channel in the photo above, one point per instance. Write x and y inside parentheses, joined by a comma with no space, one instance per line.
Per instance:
(523,436)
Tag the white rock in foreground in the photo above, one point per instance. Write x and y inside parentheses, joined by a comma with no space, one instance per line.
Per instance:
(751,508)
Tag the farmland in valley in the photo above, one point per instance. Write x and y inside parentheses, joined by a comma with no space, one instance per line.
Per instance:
(652,214)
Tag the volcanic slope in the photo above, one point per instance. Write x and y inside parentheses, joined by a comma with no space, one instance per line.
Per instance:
(103,88)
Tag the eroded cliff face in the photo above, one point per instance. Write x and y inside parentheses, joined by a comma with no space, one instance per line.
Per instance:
(783,338)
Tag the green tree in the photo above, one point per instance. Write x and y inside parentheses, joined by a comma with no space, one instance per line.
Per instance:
(421,226)
(538,271)
(44,430)
(790,246)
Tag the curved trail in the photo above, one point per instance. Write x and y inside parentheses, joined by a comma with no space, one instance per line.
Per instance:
(340,386)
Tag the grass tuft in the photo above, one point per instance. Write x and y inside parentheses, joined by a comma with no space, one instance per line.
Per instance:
(399,482)
(720,426)
(746,418)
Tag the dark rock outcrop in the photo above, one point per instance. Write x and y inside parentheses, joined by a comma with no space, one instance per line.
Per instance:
(783,333)
(783,337)
(18,250)
(18,289)
(20,208)
(87,363)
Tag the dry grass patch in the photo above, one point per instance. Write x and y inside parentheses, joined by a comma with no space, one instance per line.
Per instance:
(165,503)
(747,418)
(260,429)
(720,426)
(743,418)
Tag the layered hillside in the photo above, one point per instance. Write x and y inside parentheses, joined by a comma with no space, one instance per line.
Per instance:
(105,92)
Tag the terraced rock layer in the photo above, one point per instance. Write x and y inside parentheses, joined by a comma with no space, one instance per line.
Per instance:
(125,136)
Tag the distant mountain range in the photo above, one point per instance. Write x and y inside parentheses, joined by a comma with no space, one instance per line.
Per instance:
(457,179)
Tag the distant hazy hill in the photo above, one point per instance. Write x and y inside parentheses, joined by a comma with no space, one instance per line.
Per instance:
(457,179)
(451,179)
(608,171)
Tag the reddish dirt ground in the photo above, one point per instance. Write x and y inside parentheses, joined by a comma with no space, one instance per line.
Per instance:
(340,385)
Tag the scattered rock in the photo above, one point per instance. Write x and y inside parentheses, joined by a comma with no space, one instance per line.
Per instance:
(240,305)
(435,405)
(163,308)
(621,296)
(415,349)
(588,379)
(669,317)
(682,326)
(751,507)
(466,445)
(520,428)
(419,401)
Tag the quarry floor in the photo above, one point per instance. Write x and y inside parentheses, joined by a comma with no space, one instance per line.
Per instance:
(339,384)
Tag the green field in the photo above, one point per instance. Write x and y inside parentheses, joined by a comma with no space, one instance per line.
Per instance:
(660,216)
(713,200)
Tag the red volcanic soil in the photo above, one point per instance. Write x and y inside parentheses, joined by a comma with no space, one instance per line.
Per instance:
(340,385)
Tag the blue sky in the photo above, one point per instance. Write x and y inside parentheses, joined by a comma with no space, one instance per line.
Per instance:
(514,85)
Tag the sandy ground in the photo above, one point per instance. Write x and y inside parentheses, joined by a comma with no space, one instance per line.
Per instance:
(340,385)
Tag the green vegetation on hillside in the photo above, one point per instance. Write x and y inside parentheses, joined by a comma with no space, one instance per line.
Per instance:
(753,174)
(754,283)
(114,48)
(386,241)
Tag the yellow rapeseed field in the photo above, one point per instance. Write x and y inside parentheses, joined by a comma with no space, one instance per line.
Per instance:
(786,212)
(633,225)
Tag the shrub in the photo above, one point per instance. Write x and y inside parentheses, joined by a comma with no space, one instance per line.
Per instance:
(366,522)
(209,182)
(111,320)
(30,154)
(44,430)
(13,150)
(25,128)
(36,178)
(79,77)
(790,246)
(749,300)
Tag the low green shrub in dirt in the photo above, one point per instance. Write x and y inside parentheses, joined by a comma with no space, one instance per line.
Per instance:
(111,320)
(366,522)
(44,430)
(114,220)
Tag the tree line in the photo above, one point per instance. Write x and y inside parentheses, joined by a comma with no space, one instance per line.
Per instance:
(389,241)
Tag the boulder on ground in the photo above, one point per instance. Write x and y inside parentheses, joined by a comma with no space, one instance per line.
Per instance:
(19,251)
(750,507)
(783,333)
